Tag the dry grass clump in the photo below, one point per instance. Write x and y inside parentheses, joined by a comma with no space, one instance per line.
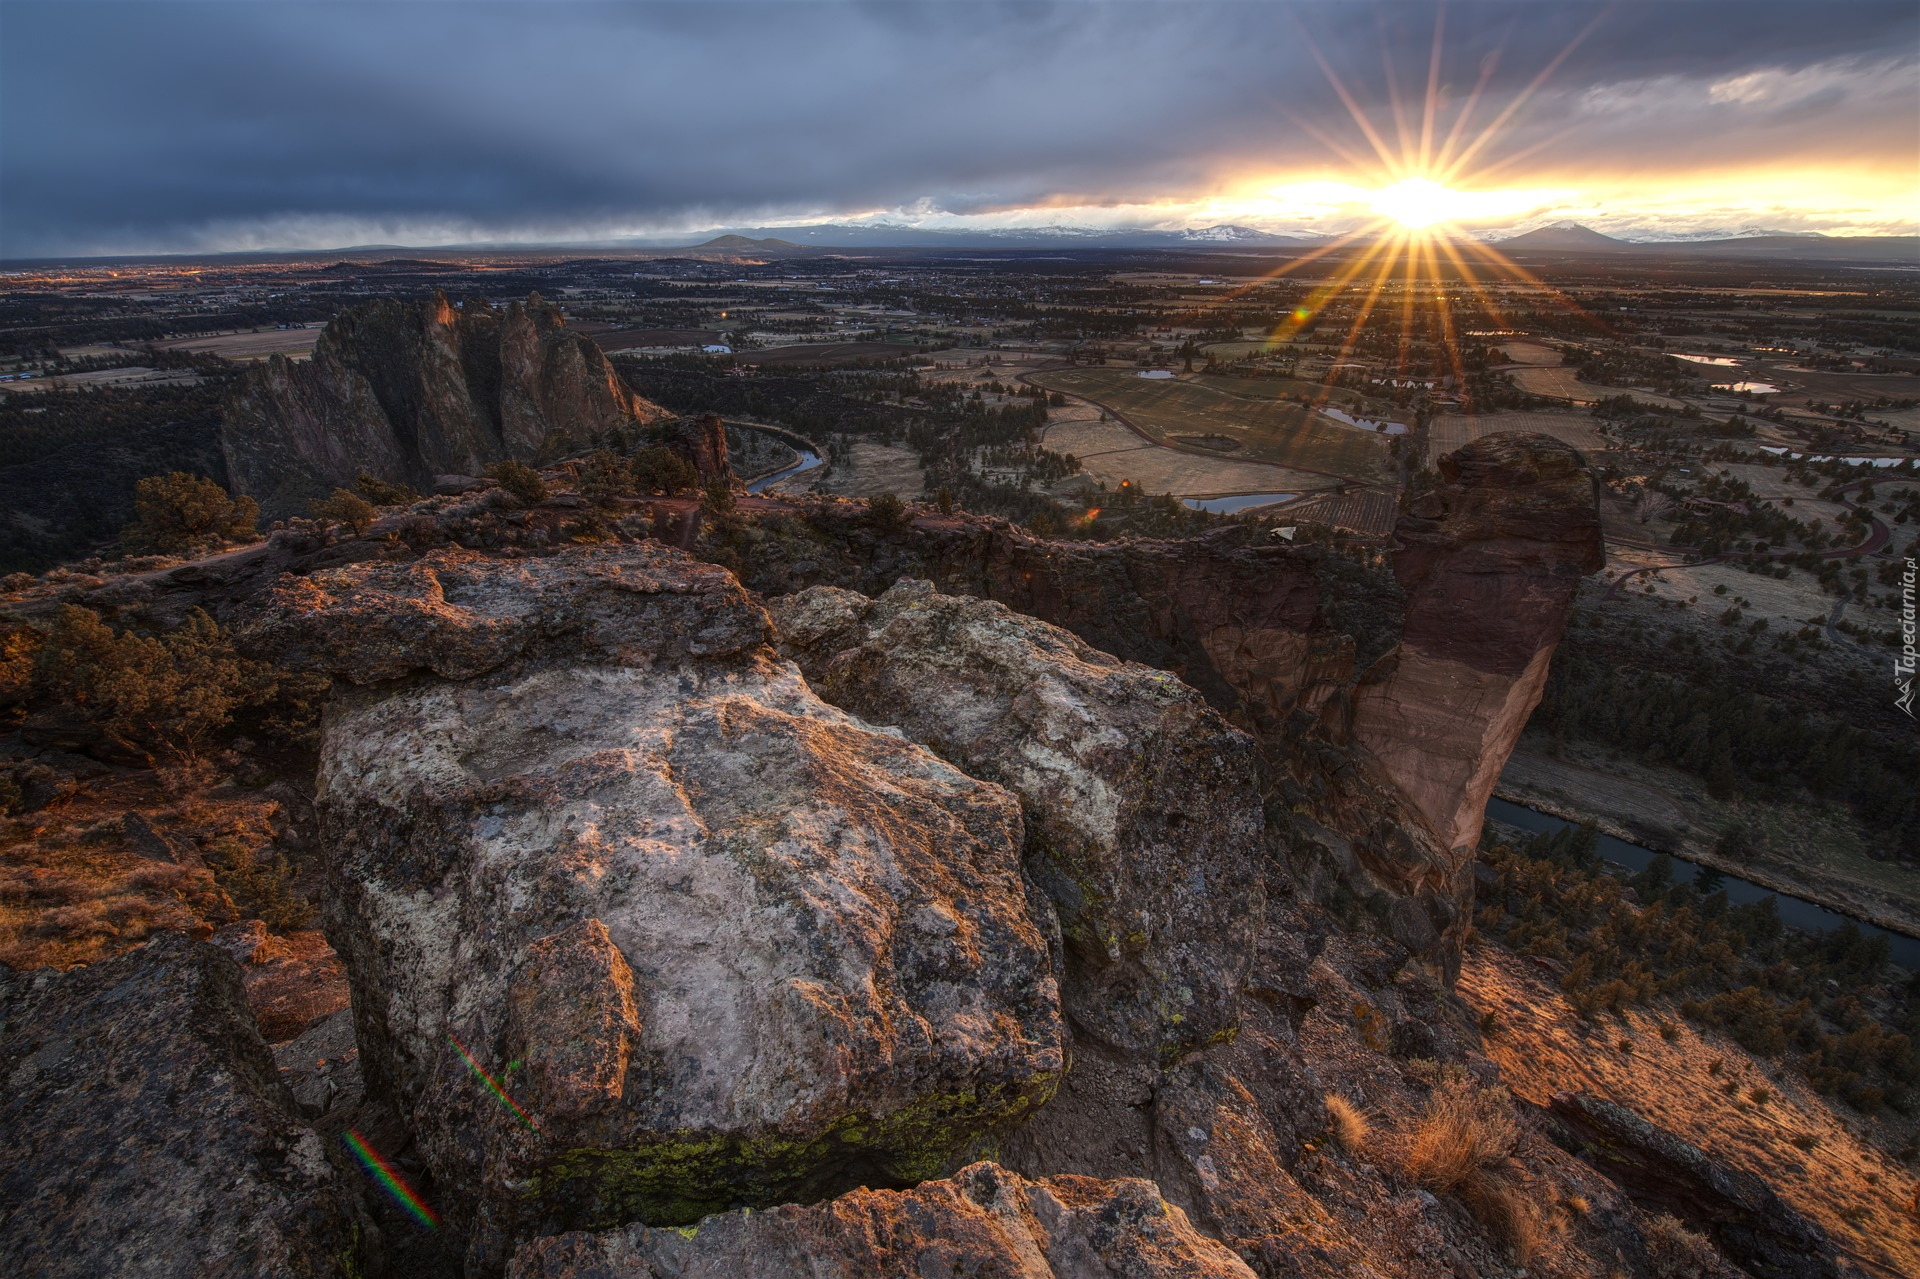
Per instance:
(1350,1126)
(1678,1253)
(1463,1146)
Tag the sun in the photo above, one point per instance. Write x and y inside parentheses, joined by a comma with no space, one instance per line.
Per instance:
(1416,203)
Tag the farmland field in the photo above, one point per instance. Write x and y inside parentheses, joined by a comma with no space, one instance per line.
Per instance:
(1559,382)
(1249,412)
(295,344)
(1451,430)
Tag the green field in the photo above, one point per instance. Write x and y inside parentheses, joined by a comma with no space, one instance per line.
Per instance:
(1249,411)
(1238,350)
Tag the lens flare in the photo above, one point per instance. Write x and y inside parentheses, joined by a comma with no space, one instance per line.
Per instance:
(493,1085)
(391,1181)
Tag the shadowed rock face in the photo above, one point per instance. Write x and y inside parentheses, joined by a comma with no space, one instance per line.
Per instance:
(1144,822)
(719,942)
(983,1221)
(1490,563)
(408,392)
(145,1130)
(1664,1174)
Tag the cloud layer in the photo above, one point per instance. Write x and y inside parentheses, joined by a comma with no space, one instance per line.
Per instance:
(159,126)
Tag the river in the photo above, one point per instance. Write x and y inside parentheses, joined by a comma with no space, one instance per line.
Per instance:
(808,460)
(1796,912)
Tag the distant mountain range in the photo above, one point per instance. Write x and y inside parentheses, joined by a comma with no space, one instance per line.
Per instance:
(839,235)
(1560,237)
(1572,237)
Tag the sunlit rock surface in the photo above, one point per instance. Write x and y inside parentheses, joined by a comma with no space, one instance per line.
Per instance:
(1142,802)
(638,927)
(1490,562)
(984,1221)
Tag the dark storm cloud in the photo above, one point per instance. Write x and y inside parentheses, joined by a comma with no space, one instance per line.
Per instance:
(150,125)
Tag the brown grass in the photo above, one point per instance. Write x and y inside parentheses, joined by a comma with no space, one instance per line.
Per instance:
(1350,1125)
(1697,1085)
(1463,1146)
(1678,1253)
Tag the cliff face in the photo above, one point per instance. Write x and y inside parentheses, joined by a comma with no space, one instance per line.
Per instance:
(1490,563)
(408,392)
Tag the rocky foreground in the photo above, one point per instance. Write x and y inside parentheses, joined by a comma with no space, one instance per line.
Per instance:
(912,897)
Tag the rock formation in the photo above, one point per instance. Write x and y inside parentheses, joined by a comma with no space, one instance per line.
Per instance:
(637,926)
(407,392)
(145,1130)
(1144,822)
(1386,780)
(983,1221)
(1490,562)
(1667,1175)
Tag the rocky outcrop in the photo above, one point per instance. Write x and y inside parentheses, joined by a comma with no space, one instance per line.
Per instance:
(1490,562)
(1383,782)
(983,1221)
(1664,1174)
(407,392)
(1144,821)
(292,980)
(145,1131)
(703,442)
(637,926)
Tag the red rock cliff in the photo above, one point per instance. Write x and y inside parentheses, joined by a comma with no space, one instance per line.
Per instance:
(1490,563)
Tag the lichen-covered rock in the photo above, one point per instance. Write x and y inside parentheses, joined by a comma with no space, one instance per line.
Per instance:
(983,1222)
(145,1131)
(639,927)
(1143,809)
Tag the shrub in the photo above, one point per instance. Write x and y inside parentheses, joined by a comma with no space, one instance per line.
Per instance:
(718,500)
(604,474)
(260,883)
(661,470)
(19,645)
(1349,1125)
(381,493)
(886,511)
(175,511)
(520,480)
(1678,1253)
(345,507)
(165,692)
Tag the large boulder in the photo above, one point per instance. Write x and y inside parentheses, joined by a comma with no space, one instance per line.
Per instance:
(637,926)
(1143,803)
(984,1221)
(145,1130)
(1666,1175)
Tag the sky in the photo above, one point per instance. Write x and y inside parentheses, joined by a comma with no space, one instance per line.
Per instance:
(157,126)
